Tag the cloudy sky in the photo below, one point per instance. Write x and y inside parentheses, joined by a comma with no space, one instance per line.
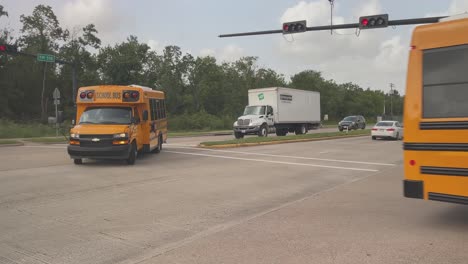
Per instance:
(373,59)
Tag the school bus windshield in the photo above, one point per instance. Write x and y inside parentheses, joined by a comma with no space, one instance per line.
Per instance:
(106,115)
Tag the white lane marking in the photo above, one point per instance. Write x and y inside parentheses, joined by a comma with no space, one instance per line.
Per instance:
(50,147)
(271,161)
(290,157)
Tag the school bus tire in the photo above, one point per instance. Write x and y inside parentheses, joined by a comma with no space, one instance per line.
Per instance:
(132,155)
(78,161)
(159,147)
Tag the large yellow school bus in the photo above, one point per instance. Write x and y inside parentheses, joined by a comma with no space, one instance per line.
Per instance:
(117,122)
(436,113)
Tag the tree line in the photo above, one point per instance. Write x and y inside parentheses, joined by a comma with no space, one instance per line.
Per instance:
(202,93)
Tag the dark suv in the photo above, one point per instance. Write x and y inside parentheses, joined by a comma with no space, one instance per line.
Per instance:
(352,122)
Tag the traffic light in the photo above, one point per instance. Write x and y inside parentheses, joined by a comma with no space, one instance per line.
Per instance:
(375,21)
(8,48)
(294,27)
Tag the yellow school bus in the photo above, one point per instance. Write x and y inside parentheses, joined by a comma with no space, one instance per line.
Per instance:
(436,113)
(117,122)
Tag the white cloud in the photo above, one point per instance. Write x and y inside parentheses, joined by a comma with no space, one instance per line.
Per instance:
(155,46)
(109,21)
(228,53)
(374,59)
(457,7)
(207,52)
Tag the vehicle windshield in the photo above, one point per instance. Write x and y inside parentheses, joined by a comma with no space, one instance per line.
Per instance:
(106,115)
(384,124)
(254,110)
(350,118)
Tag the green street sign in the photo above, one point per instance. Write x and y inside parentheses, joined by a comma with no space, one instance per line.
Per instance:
(261,96)
(45,57)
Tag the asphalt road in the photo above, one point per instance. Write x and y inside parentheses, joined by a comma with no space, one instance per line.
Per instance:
(335,201)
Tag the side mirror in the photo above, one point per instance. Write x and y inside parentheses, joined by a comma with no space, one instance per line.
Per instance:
(145,115)
(134,120)
(73,122)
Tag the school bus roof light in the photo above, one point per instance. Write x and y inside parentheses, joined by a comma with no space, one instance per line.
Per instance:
(89,95)
(82,95)
(126,95)
(134,95)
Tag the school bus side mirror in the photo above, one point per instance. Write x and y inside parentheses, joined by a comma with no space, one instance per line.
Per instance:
(73,122)
(145,115)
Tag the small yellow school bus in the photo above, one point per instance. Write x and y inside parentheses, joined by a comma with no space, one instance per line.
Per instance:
(117,122)
(436,113)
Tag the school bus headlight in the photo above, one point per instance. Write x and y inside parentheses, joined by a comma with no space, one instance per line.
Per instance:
(74,136)
(120,142)
(120,136)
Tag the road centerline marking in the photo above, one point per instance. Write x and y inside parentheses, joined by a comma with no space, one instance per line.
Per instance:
(286,156)
(275,162)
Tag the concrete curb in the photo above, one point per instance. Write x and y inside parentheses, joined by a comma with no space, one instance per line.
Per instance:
(12,145)
(277,142)
(204,135)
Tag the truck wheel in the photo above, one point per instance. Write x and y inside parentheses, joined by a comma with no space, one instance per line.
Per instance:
(301,130)
(363,126)
(78,161)
(263,132)
(281,132)
(132,155)
(238,135)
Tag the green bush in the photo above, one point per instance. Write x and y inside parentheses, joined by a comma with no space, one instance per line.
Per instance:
(10,129)
(201,121)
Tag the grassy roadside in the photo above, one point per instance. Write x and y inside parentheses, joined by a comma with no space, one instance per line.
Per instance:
(47,140)
(8,142)
(292,138)
(195,133)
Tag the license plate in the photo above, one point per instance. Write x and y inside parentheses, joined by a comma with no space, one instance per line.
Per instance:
(381,130)
(243,131)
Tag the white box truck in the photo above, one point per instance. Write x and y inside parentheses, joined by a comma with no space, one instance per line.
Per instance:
(279,110)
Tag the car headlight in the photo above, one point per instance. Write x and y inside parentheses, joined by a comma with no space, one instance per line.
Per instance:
(120,135)
(75,136)
(235,124)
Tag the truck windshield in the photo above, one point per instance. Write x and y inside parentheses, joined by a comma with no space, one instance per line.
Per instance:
(106,115)
(254,110)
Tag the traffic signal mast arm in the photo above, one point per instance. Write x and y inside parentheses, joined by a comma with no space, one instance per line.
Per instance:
(401,22)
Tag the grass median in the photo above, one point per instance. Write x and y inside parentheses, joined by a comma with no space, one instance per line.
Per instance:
(293,138)
(9,142)
(49,140)
(196,133)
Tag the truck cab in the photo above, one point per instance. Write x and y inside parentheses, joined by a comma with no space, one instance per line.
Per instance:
(256,120)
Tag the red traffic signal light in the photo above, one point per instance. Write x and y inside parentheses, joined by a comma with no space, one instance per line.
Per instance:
(375,21)
(8,48)
(294,27)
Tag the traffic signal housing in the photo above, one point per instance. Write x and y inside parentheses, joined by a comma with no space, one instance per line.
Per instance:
(8,48)
(294,27)
(375,21)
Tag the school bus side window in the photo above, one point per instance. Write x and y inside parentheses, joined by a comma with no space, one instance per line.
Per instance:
(158,111)
(153,109)
(163,108)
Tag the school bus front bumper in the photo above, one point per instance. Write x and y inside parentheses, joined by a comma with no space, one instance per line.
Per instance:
(108,152)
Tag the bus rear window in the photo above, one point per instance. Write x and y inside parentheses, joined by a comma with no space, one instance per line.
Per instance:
(445,82)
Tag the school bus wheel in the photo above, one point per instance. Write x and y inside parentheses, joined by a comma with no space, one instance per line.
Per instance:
(132,155)
(78,161)
(159,147)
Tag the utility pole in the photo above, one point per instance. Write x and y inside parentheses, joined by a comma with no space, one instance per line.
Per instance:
(391,98)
